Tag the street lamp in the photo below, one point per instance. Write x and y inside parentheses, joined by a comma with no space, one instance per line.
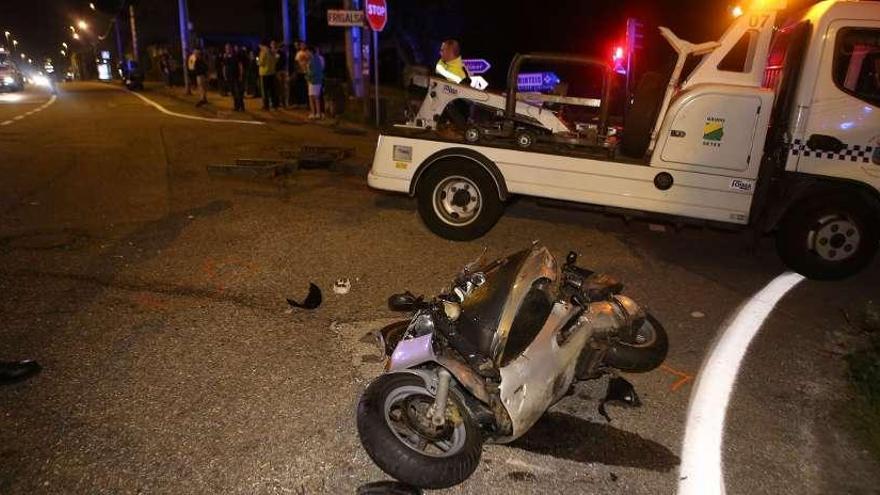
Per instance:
(75,36)
(63,53)
(736,11)
(82,25)
(64,44)
(14,42)
(23,56)
(92,6)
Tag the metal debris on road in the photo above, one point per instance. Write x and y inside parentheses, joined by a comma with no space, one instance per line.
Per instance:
(253,168)
(312,301)
(309,157)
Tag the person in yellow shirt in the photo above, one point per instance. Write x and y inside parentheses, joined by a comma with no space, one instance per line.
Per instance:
(450,65)
(266,63)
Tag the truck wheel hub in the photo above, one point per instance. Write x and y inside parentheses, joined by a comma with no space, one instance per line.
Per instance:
(835,239)
(457,200)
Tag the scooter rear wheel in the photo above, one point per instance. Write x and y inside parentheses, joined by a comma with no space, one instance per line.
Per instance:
(645,352)
(394,432)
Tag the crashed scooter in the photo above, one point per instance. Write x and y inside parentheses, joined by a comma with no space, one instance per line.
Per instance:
(484,360)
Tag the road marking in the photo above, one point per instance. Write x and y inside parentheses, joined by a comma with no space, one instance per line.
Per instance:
(701,470)
(27,114)
(682,377)
(193,117)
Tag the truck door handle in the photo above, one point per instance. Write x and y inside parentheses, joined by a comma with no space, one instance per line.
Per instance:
(821,142)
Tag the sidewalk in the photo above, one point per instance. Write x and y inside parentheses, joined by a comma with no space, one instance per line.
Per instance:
(221,107)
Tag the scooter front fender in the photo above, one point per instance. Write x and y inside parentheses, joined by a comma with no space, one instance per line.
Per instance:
(412,353)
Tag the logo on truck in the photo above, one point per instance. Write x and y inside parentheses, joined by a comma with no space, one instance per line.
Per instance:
(713,131)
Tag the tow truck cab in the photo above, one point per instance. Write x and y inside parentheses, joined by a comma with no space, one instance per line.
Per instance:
(777,128)
(793,114)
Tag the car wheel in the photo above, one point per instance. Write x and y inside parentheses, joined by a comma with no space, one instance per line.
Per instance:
(828,237)
(458,200)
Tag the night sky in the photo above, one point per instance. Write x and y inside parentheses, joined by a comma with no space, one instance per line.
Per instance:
(489,29)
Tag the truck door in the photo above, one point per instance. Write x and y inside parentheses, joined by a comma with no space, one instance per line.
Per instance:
(842,130)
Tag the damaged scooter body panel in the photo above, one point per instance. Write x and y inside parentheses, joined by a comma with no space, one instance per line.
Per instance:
(411,353)
(543,373)
(538,264)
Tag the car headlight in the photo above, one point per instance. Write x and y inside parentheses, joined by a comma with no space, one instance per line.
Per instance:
(8,80)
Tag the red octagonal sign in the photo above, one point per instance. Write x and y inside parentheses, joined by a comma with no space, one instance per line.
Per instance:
(377,14)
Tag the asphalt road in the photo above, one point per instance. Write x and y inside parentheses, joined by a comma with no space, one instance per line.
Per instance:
(154,297)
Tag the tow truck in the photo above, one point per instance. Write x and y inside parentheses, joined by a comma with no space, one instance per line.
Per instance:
(784,140)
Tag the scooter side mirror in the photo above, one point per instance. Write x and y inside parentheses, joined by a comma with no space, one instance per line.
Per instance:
(404,301)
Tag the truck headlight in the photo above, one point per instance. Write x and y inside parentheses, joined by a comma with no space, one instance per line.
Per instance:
(8,80)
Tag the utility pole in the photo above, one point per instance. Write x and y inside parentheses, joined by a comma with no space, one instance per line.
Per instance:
(120,53)
(184,41)
(354,52)
(301,19)
(134,37)
(285,23)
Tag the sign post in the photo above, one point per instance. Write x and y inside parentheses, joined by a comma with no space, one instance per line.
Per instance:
(345,18)
(377,18)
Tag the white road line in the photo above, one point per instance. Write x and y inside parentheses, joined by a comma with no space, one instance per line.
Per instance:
(701,470)
(26,114)
(193,117)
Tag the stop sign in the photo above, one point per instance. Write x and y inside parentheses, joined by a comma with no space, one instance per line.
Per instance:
(377,14)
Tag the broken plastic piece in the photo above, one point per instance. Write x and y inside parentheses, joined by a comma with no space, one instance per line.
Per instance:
(619,390)
(342,286)
(312,301)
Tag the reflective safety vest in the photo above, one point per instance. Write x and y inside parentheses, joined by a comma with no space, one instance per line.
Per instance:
(453,70)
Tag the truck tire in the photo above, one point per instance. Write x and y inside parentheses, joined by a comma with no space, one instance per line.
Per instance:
(828,237)
(458,200)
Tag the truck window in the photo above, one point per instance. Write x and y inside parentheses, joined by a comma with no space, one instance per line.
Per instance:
(739,58)
(856,66)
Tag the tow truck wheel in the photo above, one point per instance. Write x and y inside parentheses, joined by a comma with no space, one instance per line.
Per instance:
(524,139)
(472,134)
(828,237)
(458,200)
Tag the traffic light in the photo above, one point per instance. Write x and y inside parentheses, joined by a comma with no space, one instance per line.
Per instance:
(618,60)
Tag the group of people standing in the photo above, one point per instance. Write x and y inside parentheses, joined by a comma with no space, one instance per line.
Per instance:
(282,79)
(282,76)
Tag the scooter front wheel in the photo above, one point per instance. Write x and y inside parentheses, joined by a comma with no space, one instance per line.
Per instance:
(397,433)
